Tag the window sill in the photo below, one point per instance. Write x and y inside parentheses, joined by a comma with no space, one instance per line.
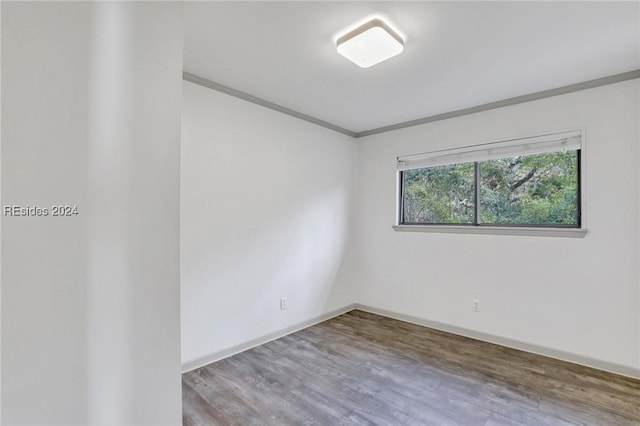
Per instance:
(495,230)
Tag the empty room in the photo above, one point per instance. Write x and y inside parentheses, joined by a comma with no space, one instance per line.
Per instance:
(320,213)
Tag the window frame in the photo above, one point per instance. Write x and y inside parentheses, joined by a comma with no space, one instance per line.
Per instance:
(573,230)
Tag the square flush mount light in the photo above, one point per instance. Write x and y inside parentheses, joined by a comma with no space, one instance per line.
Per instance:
(370,44)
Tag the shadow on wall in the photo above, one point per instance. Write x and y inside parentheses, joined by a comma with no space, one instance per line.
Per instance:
(233,277)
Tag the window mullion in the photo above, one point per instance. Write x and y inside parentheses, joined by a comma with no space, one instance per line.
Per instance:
(477,193)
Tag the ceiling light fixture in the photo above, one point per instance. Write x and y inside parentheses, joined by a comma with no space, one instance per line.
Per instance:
(370,44)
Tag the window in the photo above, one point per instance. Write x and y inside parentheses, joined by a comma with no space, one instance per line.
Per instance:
(533,182)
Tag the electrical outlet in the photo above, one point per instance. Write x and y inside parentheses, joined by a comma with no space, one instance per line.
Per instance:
(283,303)
(476,305)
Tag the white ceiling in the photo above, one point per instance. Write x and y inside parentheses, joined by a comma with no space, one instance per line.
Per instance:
(457,54)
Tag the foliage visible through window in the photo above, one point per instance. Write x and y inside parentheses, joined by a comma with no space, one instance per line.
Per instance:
(443,194)
(526,190)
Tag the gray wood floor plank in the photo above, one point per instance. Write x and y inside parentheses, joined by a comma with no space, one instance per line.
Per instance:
(364,369)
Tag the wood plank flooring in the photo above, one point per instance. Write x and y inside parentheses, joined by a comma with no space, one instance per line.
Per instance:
(364,369)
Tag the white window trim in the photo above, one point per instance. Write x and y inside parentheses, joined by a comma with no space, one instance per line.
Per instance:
(538,231)
(495,230)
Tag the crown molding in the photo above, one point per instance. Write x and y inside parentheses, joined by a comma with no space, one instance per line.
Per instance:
(192,78)
(590,84)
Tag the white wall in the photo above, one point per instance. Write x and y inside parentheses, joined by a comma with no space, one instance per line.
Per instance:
(265,204)
(266,210)
(91,117)
(133,220)
(579,297)
(0,220)
(44,149)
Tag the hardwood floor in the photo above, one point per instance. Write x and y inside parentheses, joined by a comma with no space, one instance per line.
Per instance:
(364,369)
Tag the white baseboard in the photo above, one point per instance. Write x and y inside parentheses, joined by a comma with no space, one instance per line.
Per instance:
(611,367)
(217,356)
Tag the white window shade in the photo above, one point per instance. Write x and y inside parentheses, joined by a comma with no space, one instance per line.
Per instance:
(567,141)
